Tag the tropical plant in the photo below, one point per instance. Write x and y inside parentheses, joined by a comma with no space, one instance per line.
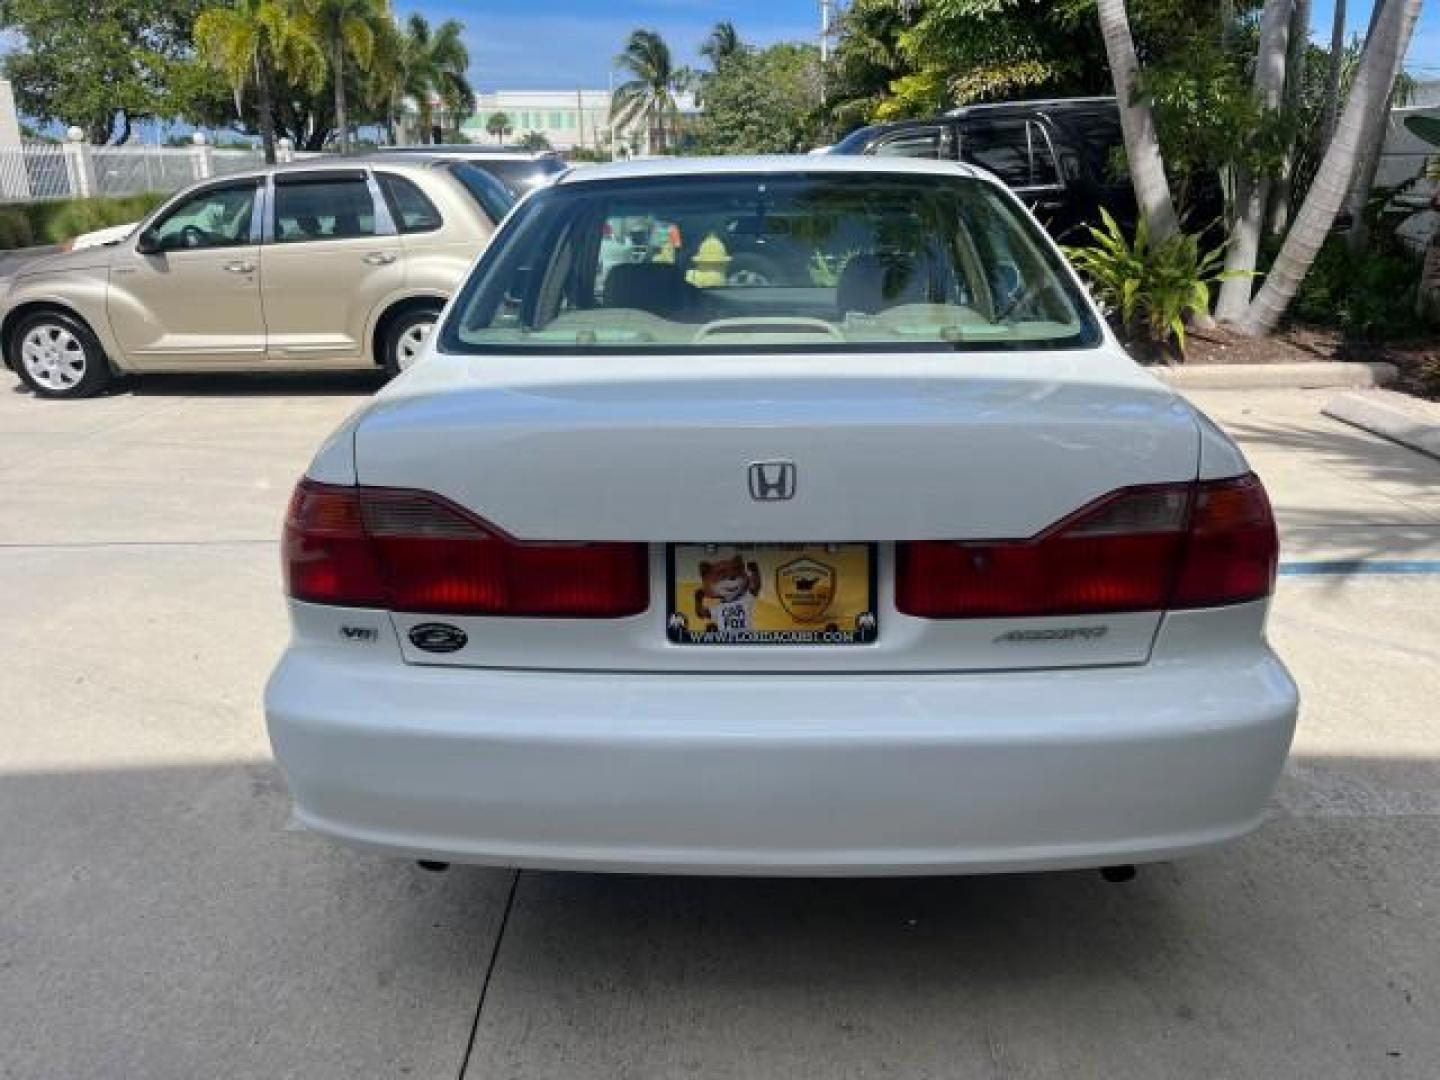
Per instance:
(649,95)
(433,63)
(105,65)
(1150,287)
(1142,145)
(867,61)
(1364,110)
(1252,184)
(248,43)
(914,57)
(498,124)
(762,101)
(722,44)
(346,30)
(534,140)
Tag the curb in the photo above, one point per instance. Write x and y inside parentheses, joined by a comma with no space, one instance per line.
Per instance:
(1320,375)
(1398,417)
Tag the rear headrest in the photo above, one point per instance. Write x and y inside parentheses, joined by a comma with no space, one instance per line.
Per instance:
(657,288)
(871,283)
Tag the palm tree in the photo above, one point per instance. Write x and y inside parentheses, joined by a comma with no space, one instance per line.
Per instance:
(433,64)
(1364,110)
(1336,65)
(345,29)
(650,94)
(248,43)
(499,125)
(722,44)
(1142,147)
(1253,189)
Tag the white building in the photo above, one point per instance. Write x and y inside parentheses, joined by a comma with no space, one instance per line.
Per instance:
(568,119)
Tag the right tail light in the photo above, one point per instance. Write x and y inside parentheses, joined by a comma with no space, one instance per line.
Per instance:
(1137,549)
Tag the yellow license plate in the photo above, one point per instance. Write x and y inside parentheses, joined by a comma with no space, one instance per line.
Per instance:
(771,594)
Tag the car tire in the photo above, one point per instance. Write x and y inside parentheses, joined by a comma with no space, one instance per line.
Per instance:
(752,270)
(57,356)
(405,337)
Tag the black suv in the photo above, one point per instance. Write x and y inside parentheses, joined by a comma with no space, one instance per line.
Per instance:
(1059,156)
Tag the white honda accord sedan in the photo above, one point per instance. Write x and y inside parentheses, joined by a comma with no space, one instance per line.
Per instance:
(886,561)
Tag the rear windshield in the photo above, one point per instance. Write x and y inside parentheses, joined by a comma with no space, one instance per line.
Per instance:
(804,263)
(521,174)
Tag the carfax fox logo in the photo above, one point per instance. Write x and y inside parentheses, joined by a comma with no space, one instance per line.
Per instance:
(725,600)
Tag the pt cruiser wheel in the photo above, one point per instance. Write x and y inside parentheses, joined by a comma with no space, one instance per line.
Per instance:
(56,355)
(406,338)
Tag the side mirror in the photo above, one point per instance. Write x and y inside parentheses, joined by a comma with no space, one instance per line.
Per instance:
(147,244)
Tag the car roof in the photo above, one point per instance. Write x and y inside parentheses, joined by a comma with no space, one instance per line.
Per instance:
(473,150)
(778,164)
(324,163)
(1079,104)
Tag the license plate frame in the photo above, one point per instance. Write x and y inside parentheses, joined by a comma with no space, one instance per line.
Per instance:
(810,595)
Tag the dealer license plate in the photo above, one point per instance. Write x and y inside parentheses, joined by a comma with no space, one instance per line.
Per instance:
(771,594)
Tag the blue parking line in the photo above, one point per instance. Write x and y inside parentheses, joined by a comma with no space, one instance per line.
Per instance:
(1347,567)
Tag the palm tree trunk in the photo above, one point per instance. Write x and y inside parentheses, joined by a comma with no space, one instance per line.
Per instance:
(342,121)
(1295,65)
(1252,190)
(1363,112)
(1367,163)
(267,110)
(1332,75)
(1142,147)
(1358,203)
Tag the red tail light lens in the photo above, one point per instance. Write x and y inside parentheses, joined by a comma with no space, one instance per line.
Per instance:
(1138,549)
(1233,549)
(414,551)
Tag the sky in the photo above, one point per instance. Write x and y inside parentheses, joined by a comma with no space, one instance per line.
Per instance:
(570,44)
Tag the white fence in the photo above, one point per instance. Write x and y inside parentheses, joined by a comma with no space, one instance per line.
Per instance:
(73,168)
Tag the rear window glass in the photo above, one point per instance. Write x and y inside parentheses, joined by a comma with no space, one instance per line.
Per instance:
(521,174)
(336,208)
(1016,151)
(412,211)
(492,196)
(822,262)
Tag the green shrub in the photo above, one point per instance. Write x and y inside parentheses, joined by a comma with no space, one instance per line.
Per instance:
(1149,289)
(55,221)
(1368,297)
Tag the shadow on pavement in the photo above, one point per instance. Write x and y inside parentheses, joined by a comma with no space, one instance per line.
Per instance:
(261,384)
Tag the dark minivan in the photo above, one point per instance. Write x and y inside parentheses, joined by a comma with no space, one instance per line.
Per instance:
(1060,156)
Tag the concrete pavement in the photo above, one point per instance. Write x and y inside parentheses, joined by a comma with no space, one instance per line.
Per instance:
(157,919)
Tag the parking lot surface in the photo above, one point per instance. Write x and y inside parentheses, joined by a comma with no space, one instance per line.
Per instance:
(159,919)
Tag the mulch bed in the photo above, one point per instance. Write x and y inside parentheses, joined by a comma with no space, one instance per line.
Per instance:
(1418,361)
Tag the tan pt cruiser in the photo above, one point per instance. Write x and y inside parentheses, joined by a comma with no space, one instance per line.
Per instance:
(335,264)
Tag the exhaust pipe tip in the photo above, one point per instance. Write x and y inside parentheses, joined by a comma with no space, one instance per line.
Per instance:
(433,866)
(1118,875)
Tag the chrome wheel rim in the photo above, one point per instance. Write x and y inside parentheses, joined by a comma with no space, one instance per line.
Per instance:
(407,349)
(53,356)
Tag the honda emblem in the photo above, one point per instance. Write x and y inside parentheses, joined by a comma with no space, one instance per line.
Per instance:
(772,481)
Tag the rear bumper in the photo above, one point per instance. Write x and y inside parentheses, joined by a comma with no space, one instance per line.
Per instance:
(813,774)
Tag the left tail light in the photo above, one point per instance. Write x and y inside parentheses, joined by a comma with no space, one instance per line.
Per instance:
(414,551)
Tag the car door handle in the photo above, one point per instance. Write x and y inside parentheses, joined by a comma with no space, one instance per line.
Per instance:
(240,267)
(379,258)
